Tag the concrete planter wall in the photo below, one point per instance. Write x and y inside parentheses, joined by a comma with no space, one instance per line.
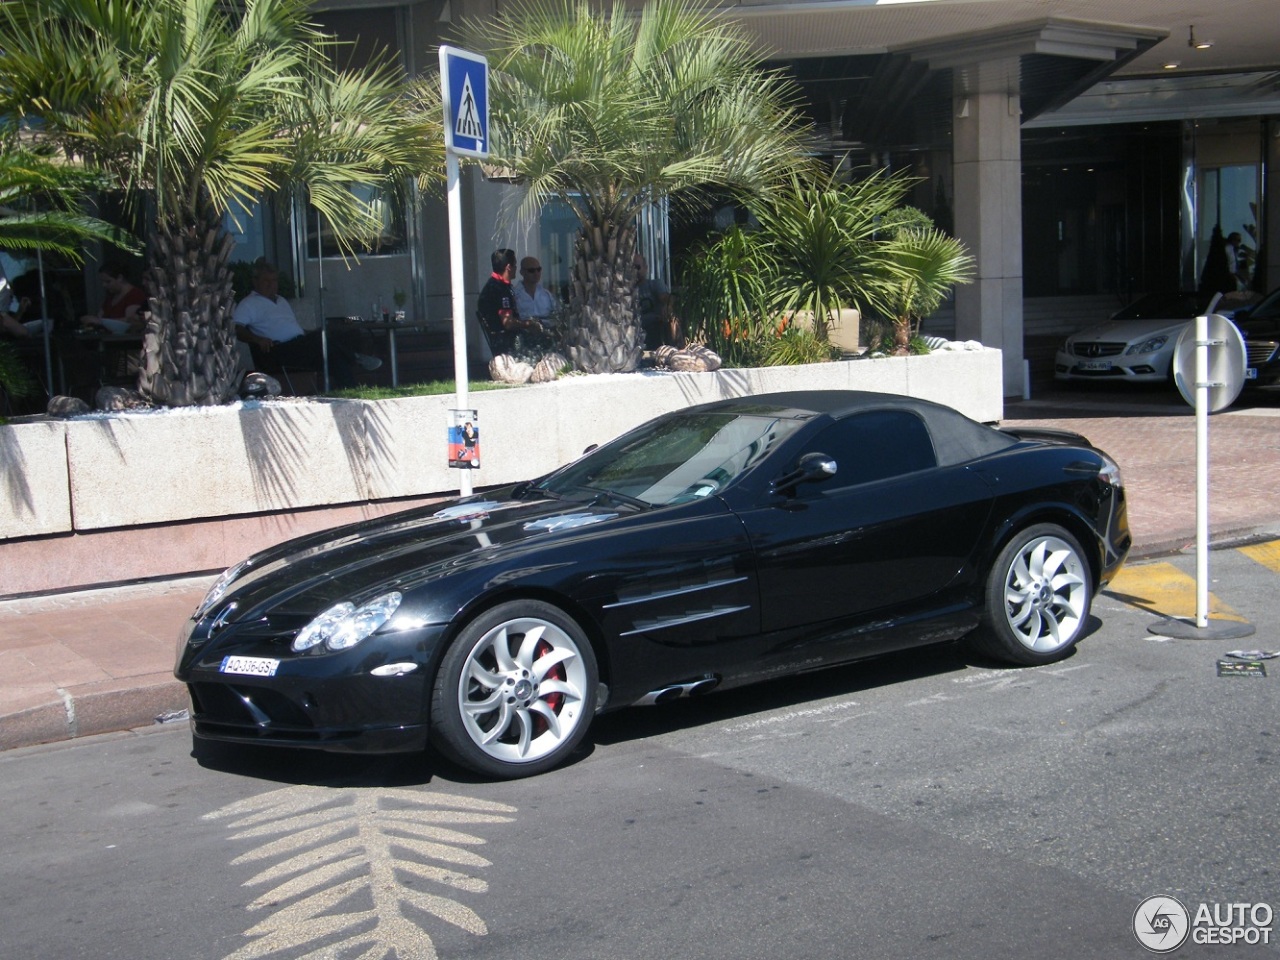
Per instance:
(105,499)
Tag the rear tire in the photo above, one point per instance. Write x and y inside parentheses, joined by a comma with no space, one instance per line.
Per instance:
(516,691)
(1038,598)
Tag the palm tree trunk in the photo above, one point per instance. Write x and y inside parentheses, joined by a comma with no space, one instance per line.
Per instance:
(189,353)
(604,331)
(902,335)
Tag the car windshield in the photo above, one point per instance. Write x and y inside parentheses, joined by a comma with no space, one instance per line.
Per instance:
(673,460)
(1268,309)
(1160,306)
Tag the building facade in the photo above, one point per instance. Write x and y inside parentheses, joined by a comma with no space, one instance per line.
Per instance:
(1084,150)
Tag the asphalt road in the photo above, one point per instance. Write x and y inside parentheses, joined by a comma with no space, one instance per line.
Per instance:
(926,805)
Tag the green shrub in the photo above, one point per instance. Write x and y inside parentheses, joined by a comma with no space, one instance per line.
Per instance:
(796,346)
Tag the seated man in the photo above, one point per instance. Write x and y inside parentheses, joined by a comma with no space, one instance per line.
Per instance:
(533,300)
(266,322)
(508,332)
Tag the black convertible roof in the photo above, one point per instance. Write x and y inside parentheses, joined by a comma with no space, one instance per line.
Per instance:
(956,438)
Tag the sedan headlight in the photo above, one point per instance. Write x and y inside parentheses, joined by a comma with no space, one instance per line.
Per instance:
(344,624)
(1110,471)
(220,587)
(1149,346)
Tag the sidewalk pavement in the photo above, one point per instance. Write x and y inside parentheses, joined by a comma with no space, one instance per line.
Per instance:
(98,661)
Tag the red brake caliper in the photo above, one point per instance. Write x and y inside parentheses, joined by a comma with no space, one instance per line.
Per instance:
(552,700)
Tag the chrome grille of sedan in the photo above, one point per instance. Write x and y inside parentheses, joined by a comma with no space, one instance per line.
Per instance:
(1260,351)
(1093,348)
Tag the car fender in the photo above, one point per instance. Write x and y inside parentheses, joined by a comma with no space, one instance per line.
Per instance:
(1061,513)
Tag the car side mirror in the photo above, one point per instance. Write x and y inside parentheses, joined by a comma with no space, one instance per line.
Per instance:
(812,468)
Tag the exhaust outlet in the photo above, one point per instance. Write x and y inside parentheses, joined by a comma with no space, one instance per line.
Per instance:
(674,691)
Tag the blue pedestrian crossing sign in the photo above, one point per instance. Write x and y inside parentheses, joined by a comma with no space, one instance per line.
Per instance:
(464,80)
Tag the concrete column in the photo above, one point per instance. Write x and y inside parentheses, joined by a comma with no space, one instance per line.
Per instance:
(987,156)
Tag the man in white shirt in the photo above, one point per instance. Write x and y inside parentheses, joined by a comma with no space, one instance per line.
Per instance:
(533,300)
(266,322)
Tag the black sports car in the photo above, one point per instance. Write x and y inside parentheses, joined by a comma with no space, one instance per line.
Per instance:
(712,547)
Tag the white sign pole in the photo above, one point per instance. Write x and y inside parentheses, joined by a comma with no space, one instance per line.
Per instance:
(1208,367)
(1202,470)
(457,281)
(464,82)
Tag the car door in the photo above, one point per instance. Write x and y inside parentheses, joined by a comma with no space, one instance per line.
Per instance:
(839,561)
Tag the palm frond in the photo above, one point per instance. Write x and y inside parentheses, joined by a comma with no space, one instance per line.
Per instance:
(39,206)
(622,109)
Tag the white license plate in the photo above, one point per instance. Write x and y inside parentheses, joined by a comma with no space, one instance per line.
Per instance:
(251,666)
(1095,365)
(1251,373)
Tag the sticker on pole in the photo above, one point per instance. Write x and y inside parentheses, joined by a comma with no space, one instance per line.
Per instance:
(464,82)
(464,439)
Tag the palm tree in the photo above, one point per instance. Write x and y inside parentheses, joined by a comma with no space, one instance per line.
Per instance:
(609,110)
(929,264)
(202,106)
(819,239)
(819,244)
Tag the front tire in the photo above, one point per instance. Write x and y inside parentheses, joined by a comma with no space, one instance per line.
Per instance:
(516,691)
(1037,598)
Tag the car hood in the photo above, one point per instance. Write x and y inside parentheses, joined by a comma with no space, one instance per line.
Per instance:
(1124,331)
(1260,328)
(407,550)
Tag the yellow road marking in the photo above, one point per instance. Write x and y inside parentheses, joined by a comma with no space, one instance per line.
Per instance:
(1267,554)
(1163,589)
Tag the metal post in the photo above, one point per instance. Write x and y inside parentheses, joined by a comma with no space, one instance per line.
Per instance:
(457,282)
(324,323)
(1202,471)
(45,325)
(1206,394)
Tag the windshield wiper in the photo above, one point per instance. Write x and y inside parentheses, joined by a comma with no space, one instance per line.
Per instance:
(527,488)
(602,494)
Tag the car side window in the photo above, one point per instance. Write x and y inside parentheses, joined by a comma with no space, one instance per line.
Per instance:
(875,445)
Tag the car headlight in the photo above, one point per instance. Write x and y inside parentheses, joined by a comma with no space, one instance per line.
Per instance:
(1110,471)
(1149,346)
(344,624)
(220,587)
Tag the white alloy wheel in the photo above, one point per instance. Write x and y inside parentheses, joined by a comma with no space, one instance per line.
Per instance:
(516,690)
(1038,597)
(1046,594)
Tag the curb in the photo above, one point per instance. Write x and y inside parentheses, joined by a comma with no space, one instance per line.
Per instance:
(1218,540)
(96,708)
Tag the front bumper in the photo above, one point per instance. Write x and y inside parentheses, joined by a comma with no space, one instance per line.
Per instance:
(327,701)
(1138,368)
(1262,363)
